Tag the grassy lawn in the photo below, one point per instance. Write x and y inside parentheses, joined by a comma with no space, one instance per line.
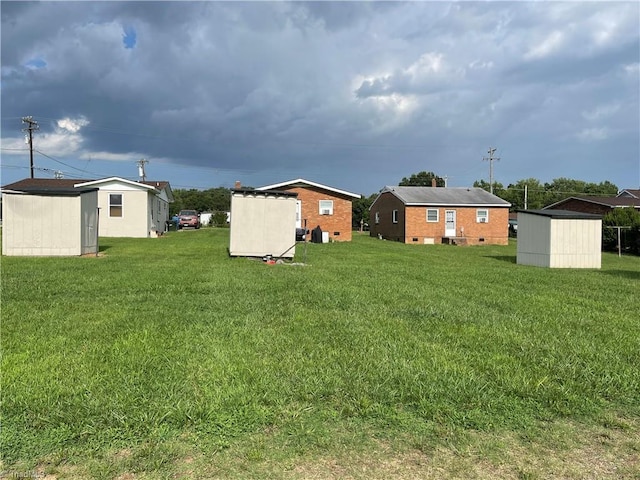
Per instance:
(165,358)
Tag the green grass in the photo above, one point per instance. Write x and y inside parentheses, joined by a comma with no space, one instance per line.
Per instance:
(166,349)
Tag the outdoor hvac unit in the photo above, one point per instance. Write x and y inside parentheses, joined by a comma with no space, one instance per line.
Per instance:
(483,220)
(326,211)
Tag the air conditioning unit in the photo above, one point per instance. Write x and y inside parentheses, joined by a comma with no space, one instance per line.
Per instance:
(483,220)
(326,211)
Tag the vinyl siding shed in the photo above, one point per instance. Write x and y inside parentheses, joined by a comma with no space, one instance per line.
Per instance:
(49,222)
(559,239)
(262,223)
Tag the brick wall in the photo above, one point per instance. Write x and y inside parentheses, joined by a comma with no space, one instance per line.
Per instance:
(413,228)
(384,206)
(338,224)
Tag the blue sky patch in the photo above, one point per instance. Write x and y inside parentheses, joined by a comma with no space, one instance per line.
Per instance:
(129,37)
(35,63)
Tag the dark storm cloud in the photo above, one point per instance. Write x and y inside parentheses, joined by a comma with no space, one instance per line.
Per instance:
(385,87)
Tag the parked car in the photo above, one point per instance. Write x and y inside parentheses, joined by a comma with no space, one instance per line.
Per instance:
(188,218)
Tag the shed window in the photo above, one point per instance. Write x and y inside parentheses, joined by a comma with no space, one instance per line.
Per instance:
(326,207)
(433,215)
(115,205)
(482,216)
(377,217)
(394,216)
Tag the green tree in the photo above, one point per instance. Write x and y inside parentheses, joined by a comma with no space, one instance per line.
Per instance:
(532,188)
(561,188)
(360,210)
(422,179)
(498,189)
(627,217)
(210,200)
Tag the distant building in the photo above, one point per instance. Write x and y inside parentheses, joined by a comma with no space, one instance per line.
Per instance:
(428,215)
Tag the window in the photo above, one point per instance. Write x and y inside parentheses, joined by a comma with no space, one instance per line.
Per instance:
(433,215)
(482,216)
(326,207)
(115,204)
(377,217)
(394,216)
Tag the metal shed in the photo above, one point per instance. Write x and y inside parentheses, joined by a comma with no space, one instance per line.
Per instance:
(49,221)
(262,223)
(559,239)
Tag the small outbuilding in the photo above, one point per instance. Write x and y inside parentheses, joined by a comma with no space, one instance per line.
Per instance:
(49,220)
(559,239)
(263,223)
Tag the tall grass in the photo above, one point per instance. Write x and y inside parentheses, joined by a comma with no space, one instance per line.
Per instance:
(162,339)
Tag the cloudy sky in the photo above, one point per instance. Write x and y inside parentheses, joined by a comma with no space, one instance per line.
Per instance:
(354,95)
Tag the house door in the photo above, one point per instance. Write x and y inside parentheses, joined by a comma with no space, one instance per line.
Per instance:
(449,223)
(298,213)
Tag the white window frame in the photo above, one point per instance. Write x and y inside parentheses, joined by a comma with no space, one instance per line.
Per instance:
(394,216)
(377,217)
(121,205)
(325,207)
(482,215)
(437,215)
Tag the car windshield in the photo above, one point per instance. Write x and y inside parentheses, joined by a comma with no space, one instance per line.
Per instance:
(188,212)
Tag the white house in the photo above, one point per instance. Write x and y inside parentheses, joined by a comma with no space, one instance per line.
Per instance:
(559,239)
(129,208)
(126,208)
(45,219)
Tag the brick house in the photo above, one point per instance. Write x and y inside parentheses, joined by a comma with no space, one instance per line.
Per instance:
(598,205)
(428,215)
(320,205)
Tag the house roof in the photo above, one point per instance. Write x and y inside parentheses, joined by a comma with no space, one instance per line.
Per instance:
(606,201)
(44,185)
(301,182)
(565,214)
(438,196)
(628,192)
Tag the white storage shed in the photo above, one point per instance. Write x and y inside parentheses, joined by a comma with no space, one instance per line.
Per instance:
(46,220)
(262,223)
(559,239)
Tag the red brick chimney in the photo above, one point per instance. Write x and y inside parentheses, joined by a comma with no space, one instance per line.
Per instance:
(238,185)
(433,182)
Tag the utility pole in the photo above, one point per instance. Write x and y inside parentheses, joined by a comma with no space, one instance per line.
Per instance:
(32,126)
(491,158)
(141,173)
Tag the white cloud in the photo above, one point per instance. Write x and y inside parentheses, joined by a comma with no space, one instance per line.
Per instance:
(593,134)
(546,47)
(601,111)
(72,125)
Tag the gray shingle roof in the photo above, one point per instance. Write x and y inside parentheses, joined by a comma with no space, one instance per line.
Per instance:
(462,196)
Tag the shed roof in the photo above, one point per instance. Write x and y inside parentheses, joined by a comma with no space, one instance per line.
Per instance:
(50,185)
(301,182)
(263,193)
(438,196)
(563,214)
(46,186)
